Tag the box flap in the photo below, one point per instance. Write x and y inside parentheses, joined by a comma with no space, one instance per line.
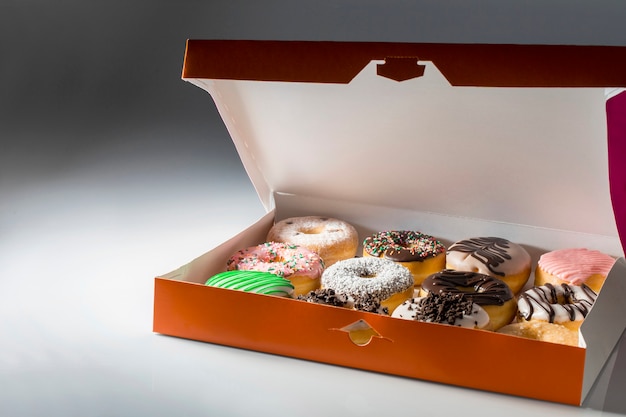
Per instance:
(434,142)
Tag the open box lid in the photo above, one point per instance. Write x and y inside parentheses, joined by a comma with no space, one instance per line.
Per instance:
(444,128)
(510,134)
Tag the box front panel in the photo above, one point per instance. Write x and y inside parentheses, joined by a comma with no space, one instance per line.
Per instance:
(462,357)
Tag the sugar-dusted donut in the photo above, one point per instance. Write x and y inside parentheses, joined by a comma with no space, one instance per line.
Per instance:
(493,256)
(365,279)
(252,281)
(302,267)
(453,309)
(492,294)
(332,239)
(574,266)
(422,254)
(563,304)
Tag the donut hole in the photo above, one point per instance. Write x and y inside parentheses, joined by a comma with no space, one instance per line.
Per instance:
(367,275)
(311,230)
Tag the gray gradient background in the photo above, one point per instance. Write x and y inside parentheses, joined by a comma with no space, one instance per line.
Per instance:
(113,170)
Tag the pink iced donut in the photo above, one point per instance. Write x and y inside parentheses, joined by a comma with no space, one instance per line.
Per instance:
(574,266)
(299,265)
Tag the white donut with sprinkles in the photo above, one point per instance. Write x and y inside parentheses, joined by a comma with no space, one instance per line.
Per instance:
(360,278)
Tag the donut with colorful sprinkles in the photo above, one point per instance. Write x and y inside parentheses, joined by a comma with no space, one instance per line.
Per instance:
(302,267)
(421,254)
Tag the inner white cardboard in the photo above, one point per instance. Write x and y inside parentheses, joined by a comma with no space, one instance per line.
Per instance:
(531,156)
(528,164)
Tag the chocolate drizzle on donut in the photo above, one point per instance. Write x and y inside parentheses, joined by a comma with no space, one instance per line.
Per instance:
(547,297)
(492,251)
(480,288)
(403,246)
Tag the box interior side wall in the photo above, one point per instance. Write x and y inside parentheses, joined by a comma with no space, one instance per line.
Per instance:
(371,218)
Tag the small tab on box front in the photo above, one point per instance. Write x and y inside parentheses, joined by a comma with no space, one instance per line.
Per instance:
(361,333)
(400,68)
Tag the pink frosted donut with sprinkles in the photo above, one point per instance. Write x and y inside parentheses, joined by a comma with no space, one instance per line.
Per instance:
(302,267)
(575,266)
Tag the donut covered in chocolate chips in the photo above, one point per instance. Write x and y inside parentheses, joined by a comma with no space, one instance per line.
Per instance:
(420,253)
(492,294)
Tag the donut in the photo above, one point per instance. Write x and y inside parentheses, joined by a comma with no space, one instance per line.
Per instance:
(252,281)
(332,239)
(492,294)
(367,279)
(493,256)
(302,267)
(421,254)
(453,309)
(563,304)
(574,266)
(543,331)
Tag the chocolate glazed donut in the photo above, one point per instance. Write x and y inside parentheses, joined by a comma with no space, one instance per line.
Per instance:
(486,290)
(492,294)
(422,254)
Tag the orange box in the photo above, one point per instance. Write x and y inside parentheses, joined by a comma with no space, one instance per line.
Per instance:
(453,140)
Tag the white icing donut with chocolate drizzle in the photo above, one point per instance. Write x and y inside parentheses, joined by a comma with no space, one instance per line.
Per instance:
(370,278)
(563,304)
(493,256)
(331,239)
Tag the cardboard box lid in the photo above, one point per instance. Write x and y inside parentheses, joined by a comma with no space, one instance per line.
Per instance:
(438,128)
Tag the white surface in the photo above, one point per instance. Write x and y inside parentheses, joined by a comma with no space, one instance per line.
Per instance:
(113,170)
